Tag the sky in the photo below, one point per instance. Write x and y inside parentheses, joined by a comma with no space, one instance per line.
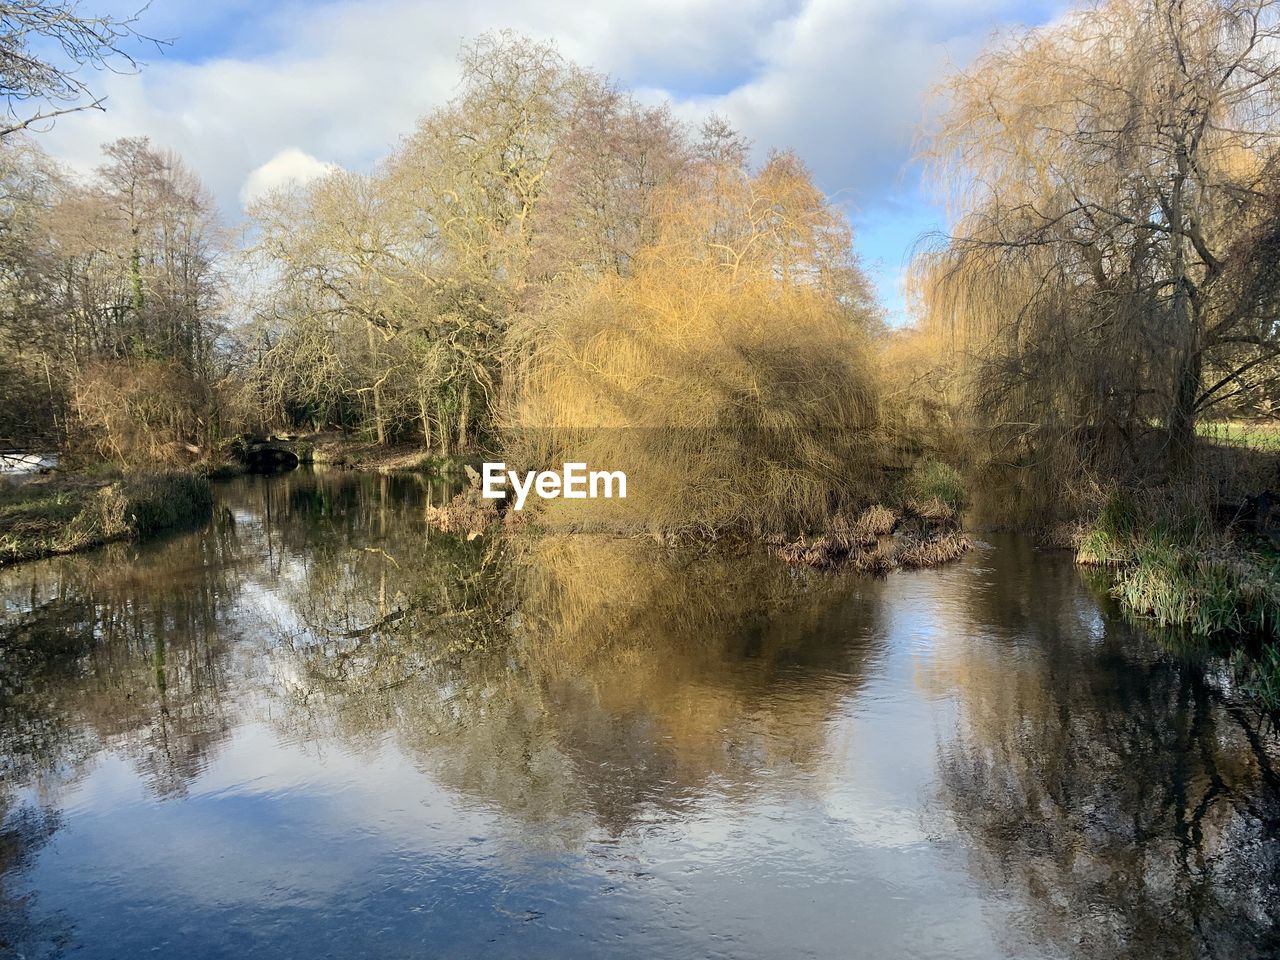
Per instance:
(254,93)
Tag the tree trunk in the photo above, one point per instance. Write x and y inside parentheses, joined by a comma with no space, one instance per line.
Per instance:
(424,413)
(379,422)
(444,427)
(137,299)
(1182,417)
(464,416)
(1181,425)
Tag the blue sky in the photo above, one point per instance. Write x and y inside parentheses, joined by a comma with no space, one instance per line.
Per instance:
(254,92)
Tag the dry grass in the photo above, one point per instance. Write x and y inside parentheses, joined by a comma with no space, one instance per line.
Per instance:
(864,547)
(933,551)
(848,534)
(878,520)
(142,413)
(468,512)
(876,562)
(934,511)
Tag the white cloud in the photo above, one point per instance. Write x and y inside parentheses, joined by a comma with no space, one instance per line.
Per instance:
(290,166)
(840,81)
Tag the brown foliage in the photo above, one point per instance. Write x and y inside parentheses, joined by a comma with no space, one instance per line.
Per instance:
(727,375)
(864,547)
(135,412)
(1107,279)
(468,512)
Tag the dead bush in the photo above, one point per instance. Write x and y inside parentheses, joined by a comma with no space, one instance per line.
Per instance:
(141,412)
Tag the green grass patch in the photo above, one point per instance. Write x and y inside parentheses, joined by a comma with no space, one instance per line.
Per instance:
(932,479)
(1254,434)
(1208,592)
(40,519)
(1259,676)
(1173,565)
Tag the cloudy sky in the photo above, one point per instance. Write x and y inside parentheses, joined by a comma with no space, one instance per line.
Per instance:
(253,92)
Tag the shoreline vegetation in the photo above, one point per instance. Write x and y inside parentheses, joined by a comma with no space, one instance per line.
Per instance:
(547,270)
(922,527)
(53,516)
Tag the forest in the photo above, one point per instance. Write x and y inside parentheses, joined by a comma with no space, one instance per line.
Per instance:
(548,268)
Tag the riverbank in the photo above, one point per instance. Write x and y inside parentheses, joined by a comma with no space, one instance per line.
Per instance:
(1201,552)
(334,449)
(1179,568)
(917,523)
(92,504)
(50,516)
(1199,559)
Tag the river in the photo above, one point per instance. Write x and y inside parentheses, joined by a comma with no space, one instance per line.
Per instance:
(314,728)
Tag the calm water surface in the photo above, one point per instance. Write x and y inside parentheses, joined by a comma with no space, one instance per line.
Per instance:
(313,729)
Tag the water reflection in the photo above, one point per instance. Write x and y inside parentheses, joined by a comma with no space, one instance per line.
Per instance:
(1121,794)
(572,680)
(125,651)
(316,726)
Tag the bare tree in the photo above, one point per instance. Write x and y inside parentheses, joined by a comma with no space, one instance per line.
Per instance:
(1113,182)
(113,280)
(44,49)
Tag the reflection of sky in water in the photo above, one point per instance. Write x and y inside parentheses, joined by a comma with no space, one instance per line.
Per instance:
(773,798)
(286,848)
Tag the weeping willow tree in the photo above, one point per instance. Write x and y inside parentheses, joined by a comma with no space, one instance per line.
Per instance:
(1109,276)
(727,372)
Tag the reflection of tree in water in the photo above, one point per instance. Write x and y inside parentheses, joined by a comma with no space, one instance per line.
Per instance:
(117,650)
(35,655)
(587,685)
(141,657)
(1120,795)
(569,677)
(576,684)
(24,830)
(297,513)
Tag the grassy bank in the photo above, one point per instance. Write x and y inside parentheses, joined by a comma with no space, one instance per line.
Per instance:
(43,518)
(1175,563)
(1207,584)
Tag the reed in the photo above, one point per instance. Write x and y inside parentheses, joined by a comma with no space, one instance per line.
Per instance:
(878,520)
(1171,562)
(931,485)
(1259,675)
(933,551)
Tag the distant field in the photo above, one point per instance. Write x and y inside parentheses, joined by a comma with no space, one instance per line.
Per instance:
(1258,435)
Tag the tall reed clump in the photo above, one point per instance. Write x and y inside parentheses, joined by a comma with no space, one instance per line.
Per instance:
(158,501)
(1172,563)
(932,481)
(1259,675)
